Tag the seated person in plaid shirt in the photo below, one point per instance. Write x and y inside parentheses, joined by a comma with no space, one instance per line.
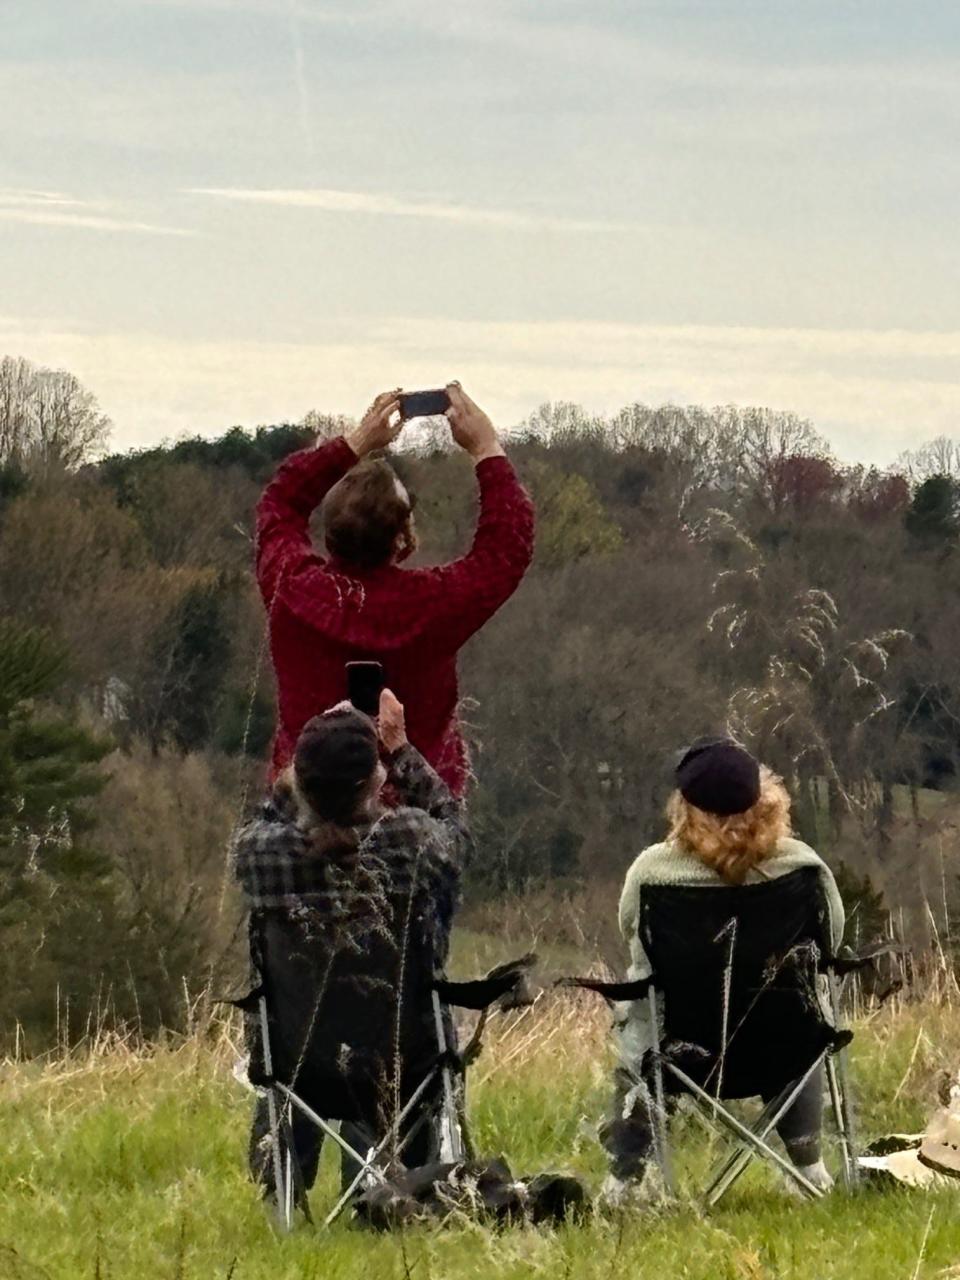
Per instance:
(351,905)
(358,603)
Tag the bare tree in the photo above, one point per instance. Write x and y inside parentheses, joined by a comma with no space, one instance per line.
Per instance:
(47,416)
(326,426)
(939,457)
(754,444)
(679,440)
(562,421)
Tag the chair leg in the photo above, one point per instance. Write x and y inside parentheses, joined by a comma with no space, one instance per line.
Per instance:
(839,1101)
(736,1163)
(744,1133)
(284,1212)
(288,1187)
(372,1157)
(296,1190)
(278,1162)
(660,1129)
(840,1094)
(451,1138)
(331,1132)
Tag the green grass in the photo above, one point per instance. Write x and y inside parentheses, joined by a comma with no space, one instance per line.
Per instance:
(130,1164)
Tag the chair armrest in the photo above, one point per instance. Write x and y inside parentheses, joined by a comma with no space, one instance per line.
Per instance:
(508,983)
(612,992)
(849,961)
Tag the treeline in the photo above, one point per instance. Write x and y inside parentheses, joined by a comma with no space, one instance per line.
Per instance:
(695,569)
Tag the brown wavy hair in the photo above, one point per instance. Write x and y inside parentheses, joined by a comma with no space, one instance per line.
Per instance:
(366,521)
(331,837)
(735,845)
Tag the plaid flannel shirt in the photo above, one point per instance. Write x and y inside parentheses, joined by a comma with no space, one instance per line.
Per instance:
(323,613)
(417,849)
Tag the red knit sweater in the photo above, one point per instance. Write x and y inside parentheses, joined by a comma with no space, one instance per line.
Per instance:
(323,614)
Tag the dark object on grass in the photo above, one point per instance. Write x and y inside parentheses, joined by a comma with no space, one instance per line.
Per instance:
(479,1189)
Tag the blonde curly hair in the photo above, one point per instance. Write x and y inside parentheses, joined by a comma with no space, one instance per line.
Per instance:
(733,845)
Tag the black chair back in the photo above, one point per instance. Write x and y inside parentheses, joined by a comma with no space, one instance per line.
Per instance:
(735,969)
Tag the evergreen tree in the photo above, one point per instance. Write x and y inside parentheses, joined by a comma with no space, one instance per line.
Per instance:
(57,904)
(934,515)
(189,663)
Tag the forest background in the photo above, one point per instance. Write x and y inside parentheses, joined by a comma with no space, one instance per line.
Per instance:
(696,569)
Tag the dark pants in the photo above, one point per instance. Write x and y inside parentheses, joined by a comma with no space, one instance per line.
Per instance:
(422,1148)
(628,1135)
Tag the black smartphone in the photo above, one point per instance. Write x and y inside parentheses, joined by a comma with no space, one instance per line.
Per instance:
(364,686)
(423,404)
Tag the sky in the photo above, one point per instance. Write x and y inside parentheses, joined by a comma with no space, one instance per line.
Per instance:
(234,211)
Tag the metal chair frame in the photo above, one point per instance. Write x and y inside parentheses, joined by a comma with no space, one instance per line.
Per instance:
(751,1141)
(281,1099)
(505,985)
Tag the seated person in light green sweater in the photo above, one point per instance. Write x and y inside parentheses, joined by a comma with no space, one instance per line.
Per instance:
(729,824)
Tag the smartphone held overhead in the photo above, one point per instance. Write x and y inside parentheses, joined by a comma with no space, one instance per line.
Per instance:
(424,404)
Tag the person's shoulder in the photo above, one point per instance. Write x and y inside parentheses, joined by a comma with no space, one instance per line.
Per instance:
(664,852)
(267,827)
(417,578)
(408,836)
(275,814)
(794,852)
(794,847)
(264,838)
(650,859)
(404,825)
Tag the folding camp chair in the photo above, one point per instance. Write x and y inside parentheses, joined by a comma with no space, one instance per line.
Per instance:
(737,1005)
(309,1051)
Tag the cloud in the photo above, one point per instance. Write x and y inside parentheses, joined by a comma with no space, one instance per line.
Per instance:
(380,205)
(18,198)
(86,222)
(872,393)
(54,209)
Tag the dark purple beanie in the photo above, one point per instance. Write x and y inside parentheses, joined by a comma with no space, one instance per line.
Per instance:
(719,776)
(335,756)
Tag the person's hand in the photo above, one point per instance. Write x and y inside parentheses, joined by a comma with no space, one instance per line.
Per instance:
(376,430)
(470,426)
(391,724)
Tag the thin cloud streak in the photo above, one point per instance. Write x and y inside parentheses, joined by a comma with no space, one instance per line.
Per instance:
(56,209)
(40,200)
(39,217)
(327,200)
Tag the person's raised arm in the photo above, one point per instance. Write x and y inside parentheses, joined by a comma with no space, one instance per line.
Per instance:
(468,591)
(300,484)
(416,782)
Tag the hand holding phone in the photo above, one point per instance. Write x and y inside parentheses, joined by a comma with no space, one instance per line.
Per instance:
(470,427)
(379,426)
(393,729)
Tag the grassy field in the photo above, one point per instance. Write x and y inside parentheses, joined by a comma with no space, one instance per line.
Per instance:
(128,1163)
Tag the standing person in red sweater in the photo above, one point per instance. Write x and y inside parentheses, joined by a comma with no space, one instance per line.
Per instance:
(356,602)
